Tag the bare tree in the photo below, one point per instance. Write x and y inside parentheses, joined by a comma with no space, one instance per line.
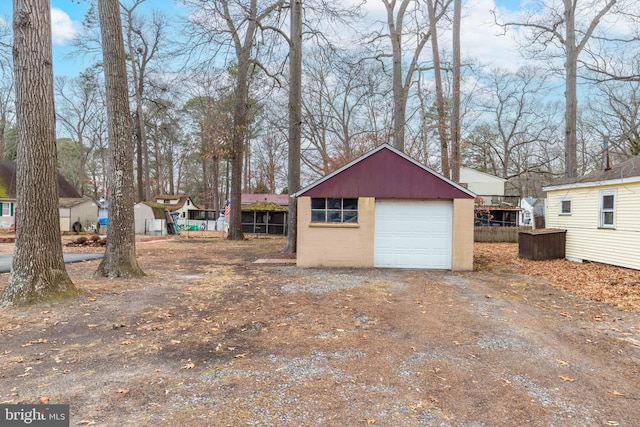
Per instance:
(440,102)
(518,126)
(455,95)
(120,253)
(614,111)
(295,120)
(236,26)
(569,24)
(79,105)
(38,273)
(6,85)
(406,23)
(144,43)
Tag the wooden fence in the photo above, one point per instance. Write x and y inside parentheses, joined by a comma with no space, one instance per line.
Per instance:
(498,234)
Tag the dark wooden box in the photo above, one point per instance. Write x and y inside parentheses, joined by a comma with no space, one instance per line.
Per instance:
(546,243)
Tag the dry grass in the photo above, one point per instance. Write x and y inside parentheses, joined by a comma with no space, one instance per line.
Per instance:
(611,285)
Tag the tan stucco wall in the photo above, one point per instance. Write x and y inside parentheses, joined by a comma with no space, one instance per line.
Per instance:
(335,245)
(462,244)
(352,245)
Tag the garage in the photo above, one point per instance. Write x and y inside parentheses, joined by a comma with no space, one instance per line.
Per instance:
(412,234)
(385,210)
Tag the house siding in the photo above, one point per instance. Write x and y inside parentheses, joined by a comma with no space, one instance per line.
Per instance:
(584,238)
(462,239)
(336,245)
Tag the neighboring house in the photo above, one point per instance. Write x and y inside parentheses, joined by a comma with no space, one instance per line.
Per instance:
(492,208)
(8,192)
(77,214)
(600,213)
(385,209)
(532,213)
(278,199)
(150,218)
(180,204)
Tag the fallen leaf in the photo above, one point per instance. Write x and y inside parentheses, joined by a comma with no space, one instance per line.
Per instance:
(566,378)
(30,343)
(565,314)
(240,356)
(45,400)
(189,366)
(612,423)
(127,342)
(123,390)
(616,393)
(488,296)
(562,362)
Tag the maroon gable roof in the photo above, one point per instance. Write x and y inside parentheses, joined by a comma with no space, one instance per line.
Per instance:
(389,174)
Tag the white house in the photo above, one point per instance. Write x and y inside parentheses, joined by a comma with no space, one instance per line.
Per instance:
(600,212)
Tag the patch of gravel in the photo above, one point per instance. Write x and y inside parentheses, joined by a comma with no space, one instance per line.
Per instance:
(324,281)
(504,341)
(548,398)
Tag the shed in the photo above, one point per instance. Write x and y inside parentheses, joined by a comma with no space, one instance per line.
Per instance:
(264,218)
(600,213)
(78,214)
(385,209)
(149,218)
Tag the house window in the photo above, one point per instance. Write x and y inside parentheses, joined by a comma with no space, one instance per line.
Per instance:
(607,208)
(334,210)
(6,209)
(565,206)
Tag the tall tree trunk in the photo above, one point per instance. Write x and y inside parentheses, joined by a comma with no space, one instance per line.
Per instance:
(571,110)
(237,145)
(120,253)
(455,107)
(38,273)
(399,93)
(440,107)
(139,163)
(295,122)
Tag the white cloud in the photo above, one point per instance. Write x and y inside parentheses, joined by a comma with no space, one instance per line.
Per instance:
(63,29)
(483,40)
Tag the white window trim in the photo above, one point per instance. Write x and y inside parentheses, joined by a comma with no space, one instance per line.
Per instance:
(565,199)
(610,192)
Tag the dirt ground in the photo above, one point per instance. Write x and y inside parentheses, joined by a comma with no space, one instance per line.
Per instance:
(210,338)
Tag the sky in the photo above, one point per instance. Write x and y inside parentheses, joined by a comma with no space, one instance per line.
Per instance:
(479,36)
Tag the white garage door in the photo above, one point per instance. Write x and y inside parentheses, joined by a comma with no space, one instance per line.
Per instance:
(413,234)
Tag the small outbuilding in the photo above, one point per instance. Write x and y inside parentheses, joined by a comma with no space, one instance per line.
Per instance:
(264,218)
(149,218)
(78,214)
(600,213)
(385,209)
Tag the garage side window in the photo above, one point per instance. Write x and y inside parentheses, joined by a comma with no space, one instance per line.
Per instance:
(332,210)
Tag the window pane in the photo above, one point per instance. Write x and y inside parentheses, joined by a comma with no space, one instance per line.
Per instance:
(318,203)
(350,204)
(566,206)
(350,216)
(607,201)
(334,203)
(334,216)
(318,216)
(607,218)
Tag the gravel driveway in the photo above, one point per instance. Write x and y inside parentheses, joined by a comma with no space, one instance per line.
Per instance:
(229,343)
